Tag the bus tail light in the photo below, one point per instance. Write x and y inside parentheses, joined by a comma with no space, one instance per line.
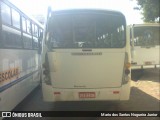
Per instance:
(116,92)
(57,93)
(127,70)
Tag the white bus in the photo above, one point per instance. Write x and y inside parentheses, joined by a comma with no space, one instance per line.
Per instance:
(20,55)
(145,46)
(86,56)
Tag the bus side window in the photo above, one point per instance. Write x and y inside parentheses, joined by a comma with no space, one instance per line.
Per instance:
(35,36)
(27,42)
(11,37)
(15,19)
(6,14)
(40,37)
(36,31)
(27,38)
(28,27)
(24,24)
(11,40)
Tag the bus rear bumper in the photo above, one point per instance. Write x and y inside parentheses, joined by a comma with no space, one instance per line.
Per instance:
(51,94)
(135,67)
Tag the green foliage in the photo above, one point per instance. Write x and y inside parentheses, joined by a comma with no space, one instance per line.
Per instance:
(150,10)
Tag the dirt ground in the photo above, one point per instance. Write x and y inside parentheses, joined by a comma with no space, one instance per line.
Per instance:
(145,96)
(149,83)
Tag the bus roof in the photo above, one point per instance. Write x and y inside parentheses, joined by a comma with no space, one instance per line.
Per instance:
(72,11)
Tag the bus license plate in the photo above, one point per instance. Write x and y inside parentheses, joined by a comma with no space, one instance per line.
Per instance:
(87,95)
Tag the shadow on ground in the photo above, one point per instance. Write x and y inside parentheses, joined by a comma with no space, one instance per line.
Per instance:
(139,101)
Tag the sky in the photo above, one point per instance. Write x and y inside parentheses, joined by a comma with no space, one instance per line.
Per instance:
(39,7)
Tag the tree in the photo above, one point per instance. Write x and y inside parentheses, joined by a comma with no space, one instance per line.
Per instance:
(150,10)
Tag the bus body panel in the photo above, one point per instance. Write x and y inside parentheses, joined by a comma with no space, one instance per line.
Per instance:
(16,86)
(149,55)
(89,73)
(51,94)
(20,55)
(145,55)
(103,94)
(84,69)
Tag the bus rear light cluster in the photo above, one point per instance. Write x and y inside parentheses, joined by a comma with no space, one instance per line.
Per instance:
(57,93)
(127,71)
(116,92)
(127,66)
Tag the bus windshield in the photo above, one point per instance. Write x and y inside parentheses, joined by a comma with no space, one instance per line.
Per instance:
(146,36)
(86,30)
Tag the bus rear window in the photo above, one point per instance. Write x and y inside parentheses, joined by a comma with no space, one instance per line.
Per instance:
(146,36)
(87,30)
